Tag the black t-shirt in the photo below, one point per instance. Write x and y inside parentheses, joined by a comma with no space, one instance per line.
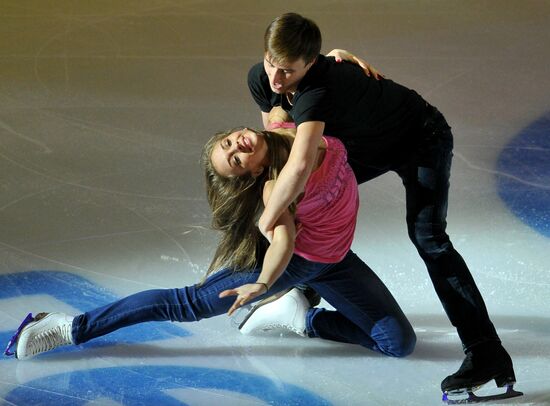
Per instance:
(377,120)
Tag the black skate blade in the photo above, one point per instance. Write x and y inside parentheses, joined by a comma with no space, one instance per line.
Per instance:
(468,396)
(15,337)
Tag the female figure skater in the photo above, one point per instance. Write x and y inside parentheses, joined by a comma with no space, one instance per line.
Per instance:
(309,245)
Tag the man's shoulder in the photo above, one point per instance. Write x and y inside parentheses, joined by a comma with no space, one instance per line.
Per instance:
(336,73)
(256,72)
(258,84)
(331,76)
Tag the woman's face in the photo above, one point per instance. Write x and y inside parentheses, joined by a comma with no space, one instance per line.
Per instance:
(239,153)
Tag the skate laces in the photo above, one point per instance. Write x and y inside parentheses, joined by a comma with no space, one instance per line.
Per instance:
(50,339)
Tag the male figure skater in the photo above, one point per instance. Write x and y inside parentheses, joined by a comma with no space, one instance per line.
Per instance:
(385,127)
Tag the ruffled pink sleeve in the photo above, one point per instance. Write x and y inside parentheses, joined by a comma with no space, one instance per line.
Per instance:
(283,124)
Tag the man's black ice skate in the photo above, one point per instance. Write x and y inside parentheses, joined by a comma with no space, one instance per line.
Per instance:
(482,364)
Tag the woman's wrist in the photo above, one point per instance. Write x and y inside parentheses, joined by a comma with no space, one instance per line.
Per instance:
(264,284)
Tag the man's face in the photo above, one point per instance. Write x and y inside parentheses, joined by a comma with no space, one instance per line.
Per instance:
(284,78)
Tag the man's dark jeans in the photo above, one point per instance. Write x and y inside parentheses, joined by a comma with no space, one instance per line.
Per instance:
(425,175)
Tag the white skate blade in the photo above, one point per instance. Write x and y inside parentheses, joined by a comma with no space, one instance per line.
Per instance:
(464,396)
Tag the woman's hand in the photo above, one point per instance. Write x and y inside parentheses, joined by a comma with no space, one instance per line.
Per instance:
(244,293)
(343,55)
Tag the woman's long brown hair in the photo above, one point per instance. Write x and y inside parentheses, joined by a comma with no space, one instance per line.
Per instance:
(236,203)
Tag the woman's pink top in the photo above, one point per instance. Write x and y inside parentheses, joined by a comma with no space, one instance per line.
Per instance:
(327,214)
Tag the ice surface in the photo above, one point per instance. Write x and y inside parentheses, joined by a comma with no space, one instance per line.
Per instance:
(104,108)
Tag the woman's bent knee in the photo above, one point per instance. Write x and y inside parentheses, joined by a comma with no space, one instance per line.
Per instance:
(406,346)
(394,337)
(401,346)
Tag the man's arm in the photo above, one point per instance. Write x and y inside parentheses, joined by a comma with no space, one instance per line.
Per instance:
(265,119)
(293,177)
(343,55)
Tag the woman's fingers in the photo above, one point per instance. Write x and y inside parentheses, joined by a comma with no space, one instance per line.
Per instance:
(240,301)
(244,293)
(228,292)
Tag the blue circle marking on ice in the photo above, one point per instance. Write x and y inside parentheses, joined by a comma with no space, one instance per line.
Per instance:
(150,385)
(523,178)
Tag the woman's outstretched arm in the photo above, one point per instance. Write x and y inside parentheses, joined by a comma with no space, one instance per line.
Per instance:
(276,258)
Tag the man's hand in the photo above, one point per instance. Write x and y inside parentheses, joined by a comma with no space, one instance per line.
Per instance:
(343,55)
(244,293)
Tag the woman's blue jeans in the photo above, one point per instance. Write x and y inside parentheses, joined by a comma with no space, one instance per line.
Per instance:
(366,312)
